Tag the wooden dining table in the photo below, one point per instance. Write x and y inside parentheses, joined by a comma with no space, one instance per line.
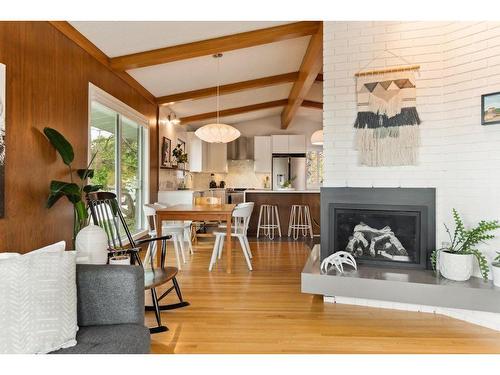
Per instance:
(212,212)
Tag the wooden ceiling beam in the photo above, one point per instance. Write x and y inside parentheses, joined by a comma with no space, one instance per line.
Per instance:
(312,104)
(74,35)
(215,45)
(230,88)
(234,111)
(248,108)
(309,70)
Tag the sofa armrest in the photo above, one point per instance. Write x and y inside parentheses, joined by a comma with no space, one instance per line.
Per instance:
(110,294)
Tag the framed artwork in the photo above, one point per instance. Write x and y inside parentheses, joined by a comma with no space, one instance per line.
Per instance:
(490,108)
(182,143)
(3,108)
(166,151)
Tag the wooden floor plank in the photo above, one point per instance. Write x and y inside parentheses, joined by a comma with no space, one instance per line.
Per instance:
(263,311)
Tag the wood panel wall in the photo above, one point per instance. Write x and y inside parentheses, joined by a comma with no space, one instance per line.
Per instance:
(47,85)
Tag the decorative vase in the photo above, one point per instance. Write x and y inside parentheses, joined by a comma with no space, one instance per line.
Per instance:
(495,268)
(92,245)
(121,260)
(457,267)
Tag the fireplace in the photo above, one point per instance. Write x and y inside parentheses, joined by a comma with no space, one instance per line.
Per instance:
(392,227)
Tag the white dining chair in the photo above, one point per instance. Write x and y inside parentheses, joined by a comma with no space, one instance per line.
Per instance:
(177,231)
(239,228)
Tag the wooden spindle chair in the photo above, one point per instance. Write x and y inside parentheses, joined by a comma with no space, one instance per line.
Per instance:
(105,212)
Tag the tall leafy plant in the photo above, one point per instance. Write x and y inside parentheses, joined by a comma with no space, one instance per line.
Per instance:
(73,191)
(464,241)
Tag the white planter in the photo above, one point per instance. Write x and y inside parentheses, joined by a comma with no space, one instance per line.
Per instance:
(457,267)
(495,268)
(123,260)
(92,245)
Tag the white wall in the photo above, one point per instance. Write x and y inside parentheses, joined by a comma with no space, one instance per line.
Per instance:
(459,61)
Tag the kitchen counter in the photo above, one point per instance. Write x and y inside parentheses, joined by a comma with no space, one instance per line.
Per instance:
(284,199)
(283,191)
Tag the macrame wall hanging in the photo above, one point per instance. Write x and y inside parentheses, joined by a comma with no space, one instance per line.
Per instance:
(387,131)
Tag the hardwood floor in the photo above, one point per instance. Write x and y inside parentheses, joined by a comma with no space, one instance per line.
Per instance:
(263,311)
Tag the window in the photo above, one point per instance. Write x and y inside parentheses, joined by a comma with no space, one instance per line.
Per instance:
(119,137)
(314,167)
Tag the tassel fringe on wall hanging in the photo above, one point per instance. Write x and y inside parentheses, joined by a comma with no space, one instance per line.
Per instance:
(387,131)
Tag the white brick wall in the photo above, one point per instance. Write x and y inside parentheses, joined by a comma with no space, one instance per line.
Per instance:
(459,61)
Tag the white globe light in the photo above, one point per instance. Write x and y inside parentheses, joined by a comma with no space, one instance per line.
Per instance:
(217,133)
(317,138)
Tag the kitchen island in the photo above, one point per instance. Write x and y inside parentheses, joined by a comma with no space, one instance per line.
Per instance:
(284,199)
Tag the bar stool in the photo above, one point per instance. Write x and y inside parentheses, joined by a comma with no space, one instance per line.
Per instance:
(269,220)
(300,221)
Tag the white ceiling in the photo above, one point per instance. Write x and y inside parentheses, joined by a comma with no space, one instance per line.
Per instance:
(116,38)
(235,66)
(239,99)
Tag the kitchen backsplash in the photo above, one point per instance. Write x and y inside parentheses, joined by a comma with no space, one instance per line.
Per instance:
(240,174)
(169,179)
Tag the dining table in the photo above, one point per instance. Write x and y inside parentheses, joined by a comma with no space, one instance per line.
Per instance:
(209,212)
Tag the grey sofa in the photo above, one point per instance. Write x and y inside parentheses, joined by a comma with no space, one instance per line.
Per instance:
(110,311)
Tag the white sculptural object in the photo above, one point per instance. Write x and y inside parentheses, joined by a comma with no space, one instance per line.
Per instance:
(338,259)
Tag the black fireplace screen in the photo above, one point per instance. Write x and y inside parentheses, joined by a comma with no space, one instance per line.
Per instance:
(378,235)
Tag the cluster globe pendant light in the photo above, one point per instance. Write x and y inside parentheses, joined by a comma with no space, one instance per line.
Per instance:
(217,132)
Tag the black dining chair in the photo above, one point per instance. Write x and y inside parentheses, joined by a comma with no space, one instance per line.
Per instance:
(105,212)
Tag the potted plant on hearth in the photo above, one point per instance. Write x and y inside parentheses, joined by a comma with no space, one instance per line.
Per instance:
(455,261)
(495,267)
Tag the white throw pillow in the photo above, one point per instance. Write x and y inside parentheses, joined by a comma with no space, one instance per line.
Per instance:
(38,311)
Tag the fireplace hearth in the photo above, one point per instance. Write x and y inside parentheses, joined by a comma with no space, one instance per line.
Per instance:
(392,227)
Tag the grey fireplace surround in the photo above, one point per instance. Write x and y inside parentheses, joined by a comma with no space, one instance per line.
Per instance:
(421,200)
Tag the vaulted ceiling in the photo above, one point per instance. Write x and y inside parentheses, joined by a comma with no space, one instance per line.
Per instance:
(267,68)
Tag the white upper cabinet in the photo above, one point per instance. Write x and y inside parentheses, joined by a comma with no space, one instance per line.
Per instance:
(280,144)
(262,154)
(297,144)
(197,153)
(217,157)
(284,144)
(206,157)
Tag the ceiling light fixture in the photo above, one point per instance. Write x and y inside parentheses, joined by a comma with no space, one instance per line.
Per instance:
(217,132)
(317,138)
(172,118)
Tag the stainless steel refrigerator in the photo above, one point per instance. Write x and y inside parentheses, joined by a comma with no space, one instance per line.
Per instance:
(289,166)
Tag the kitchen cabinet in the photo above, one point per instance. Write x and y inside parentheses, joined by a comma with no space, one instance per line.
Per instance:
(206,157)
(217,157)
(280,144)
(262,154)
(296,144)
(289,144)
(197,153)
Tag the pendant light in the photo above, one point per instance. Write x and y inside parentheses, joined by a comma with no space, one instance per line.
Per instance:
(317,138)
(217,132)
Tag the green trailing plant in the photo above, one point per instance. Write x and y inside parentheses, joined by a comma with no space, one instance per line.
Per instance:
(496,261)
(288,183)
(179,154)
(464,241)
(72,190)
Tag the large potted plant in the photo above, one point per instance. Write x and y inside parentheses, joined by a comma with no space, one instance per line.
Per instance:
(455,261)
(72,190)
(495,267)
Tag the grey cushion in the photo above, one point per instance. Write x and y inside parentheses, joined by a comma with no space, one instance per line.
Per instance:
(110,311)
(110,294)
(111,339)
